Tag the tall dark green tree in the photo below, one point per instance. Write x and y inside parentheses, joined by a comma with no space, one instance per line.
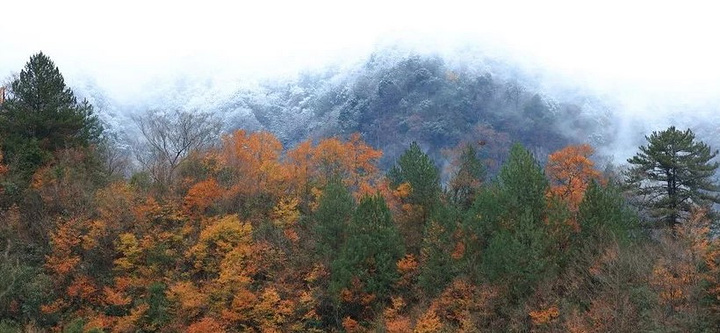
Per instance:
(673,173)
(466,182)
(518,244)
(417,169)
(371,251)
(332,217)
(518,257)
(42,115)
(604,214)
(523,183)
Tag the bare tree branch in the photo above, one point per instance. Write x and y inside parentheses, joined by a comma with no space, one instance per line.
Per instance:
(170,137)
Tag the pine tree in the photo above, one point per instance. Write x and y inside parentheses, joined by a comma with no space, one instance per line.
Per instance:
(604,213)
(464,186)
(518,257)
(523,183)
(517,248)
(332,216)
(419,171)
(41,115)
(673,173)
(371,251)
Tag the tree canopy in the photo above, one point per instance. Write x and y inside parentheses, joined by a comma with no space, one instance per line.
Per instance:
(248,233)
(673,173)
(418,170)
(42,115)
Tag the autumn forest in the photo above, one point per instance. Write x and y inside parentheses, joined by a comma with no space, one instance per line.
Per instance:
(234,232)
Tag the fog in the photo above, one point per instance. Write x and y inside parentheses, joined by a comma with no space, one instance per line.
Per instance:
(656,62)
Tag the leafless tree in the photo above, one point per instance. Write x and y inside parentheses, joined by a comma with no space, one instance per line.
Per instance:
(170,137)
(116,157)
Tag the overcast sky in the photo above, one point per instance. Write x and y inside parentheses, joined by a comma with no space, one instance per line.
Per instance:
(638,47)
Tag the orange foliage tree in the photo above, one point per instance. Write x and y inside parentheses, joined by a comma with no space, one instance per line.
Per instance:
(570,171)
(686,273)
(313,166)
(201,196)
(254,160)
(72,242)
(465,306)
(395,322)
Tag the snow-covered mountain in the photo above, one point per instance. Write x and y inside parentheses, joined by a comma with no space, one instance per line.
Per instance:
(395,96)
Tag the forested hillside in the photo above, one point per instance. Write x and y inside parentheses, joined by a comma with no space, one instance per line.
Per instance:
(411,197)
(391,99)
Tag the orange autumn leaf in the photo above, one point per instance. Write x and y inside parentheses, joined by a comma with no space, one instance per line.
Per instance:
(271,311)
(96,230)
(408,269)
(461,298)
(346,295)
(115,204)
(201,196)
(83,288)
(544,316)
(285,214)
(428,322)
(3,167)
(205,325)
(189,298)
(54,307)
(571,171)
(98,322)
(114,297)
(353,161)
(363,161)
(394,322)
(291,235)
(399,324)
(64,240)
(318,272)
(403,190)
(241,307)
(218,239)
(458,251)
(367,299)
(254,159)
(129,323)
(298,163)
(330,159)
(350,325)
(407,264)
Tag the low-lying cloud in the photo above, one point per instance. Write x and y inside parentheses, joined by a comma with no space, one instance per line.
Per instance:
(653,63)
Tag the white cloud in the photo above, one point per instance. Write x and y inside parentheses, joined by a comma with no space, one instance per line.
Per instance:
(638,47)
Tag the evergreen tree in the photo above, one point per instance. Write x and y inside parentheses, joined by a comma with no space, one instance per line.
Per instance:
(464,186)
(518,257)
(523,183)
(518,243)
(41,115)
(673,173)
(603,214)
(417,169)
(371,251)
(332,216)
(442,250)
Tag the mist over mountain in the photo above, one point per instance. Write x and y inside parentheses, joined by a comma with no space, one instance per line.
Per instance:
(399,94)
